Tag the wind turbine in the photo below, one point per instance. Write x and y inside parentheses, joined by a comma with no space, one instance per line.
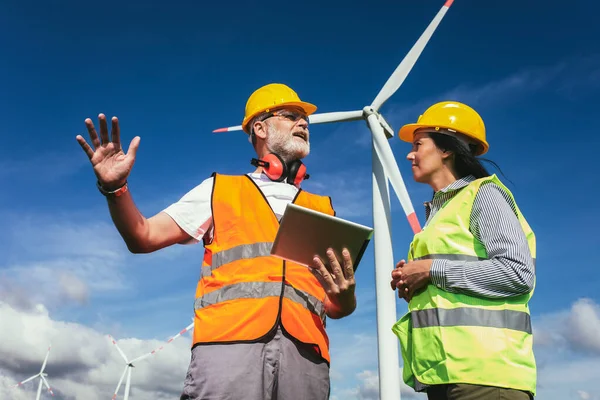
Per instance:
(384,168)
(42,375)
(129,364)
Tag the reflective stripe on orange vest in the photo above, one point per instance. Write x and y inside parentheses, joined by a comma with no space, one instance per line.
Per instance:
(255,290)
(237,253)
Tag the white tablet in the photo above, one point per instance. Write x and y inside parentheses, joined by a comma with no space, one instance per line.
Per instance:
(304,233)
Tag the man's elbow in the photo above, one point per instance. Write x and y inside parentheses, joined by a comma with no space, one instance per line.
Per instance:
(137,247)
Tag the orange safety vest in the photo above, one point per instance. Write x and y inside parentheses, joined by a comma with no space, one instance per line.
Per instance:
(244,292)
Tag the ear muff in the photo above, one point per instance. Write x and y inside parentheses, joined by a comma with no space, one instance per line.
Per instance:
(273,166)
(277,170)
(297,173)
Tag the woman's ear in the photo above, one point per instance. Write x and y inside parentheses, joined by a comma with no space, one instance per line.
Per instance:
(447,154)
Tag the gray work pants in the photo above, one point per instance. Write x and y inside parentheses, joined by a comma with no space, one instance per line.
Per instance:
(275,369)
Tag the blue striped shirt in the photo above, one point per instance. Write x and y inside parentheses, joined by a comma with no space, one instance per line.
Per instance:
(510,269)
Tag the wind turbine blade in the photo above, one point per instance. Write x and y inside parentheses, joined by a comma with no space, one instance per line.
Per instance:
(184,330)
(229,129)
(391,170)
(47,385)
(324,118)
(120,382)
(118,348)
(402,71)
(27,380)
(45,359)
(146,355)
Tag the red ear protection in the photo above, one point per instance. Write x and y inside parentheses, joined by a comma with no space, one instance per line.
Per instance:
(277,170)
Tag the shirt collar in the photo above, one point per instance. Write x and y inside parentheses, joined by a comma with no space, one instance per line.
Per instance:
(457,184)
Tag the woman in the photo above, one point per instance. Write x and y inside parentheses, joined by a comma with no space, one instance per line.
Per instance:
(470,272)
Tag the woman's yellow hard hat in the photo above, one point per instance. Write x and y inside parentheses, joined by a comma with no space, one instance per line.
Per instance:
(451,115)
(270,97)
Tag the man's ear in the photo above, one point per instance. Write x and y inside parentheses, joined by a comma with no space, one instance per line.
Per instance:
(260,130)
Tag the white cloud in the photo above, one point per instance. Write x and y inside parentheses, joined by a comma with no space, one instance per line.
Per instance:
(83,363)
(583,326)
(584,395)
(73,288)
(577,329)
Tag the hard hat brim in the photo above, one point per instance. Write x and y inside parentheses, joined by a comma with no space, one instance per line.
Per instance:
(308,109)
(407,134)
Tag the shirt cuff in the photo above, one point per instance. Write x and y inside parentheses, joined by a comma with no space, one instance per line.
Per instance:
(438,273)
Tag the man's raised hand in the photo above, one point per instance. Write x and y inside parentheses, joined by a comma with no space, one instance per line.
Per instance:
(111,165)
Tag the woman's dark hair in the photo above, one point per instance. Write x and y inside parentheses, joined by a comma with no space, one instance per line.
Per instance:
(465,162)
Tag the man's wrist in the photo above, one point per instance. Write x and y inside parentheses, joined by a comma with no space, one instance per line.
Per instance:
(340,309)
(112,191)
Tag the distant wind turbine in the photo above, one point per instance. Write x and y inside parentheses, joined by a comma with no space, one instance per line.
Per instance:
(42,375)
(129,363)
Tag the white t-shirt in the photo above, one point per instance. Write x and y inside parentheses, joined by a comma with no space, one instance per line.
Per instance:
(193,211)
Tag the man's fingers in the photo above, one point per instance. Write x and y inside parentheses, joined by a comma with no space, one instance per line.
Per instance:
(115,132)
(86,147)
(334,267)
(92,132)
(103,129)
(400,264)
(320,269)
(348,266)
(133,146)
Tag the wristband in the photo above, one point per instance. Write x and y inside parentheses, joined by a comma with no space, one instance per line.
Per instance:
(112,193)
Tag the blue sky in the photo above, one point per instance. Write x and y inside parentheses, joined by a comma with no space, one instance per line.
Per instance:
(173,73)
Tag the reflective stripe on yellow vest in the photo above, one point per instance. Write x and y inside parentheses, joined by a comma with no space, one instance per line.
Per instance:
(458,338)
(243,291)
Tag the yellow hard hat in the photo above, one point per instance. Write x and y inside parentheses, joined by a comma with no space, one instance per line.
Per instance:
(273,96)
(450,115)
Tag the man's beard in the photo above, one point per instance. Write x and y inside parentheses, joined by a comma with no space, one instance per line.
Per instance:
(286,146)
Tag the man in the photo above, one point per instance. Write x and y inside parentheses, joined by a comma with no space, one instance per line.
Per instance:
(259,328)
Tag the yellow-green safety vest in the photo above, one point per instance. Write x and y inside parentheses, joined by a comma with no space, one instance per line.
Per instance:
(458,338)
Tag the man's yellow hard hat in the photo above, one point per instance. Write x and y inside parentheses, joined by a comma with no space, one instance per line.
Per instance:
(451,115)
(270,97)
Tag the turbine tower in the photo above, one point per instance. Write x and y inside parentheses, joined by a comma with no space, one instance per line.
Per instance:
(384,168)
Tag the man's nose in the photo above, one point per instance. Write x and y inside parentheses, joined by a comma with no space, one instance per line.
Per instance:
(303,122)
